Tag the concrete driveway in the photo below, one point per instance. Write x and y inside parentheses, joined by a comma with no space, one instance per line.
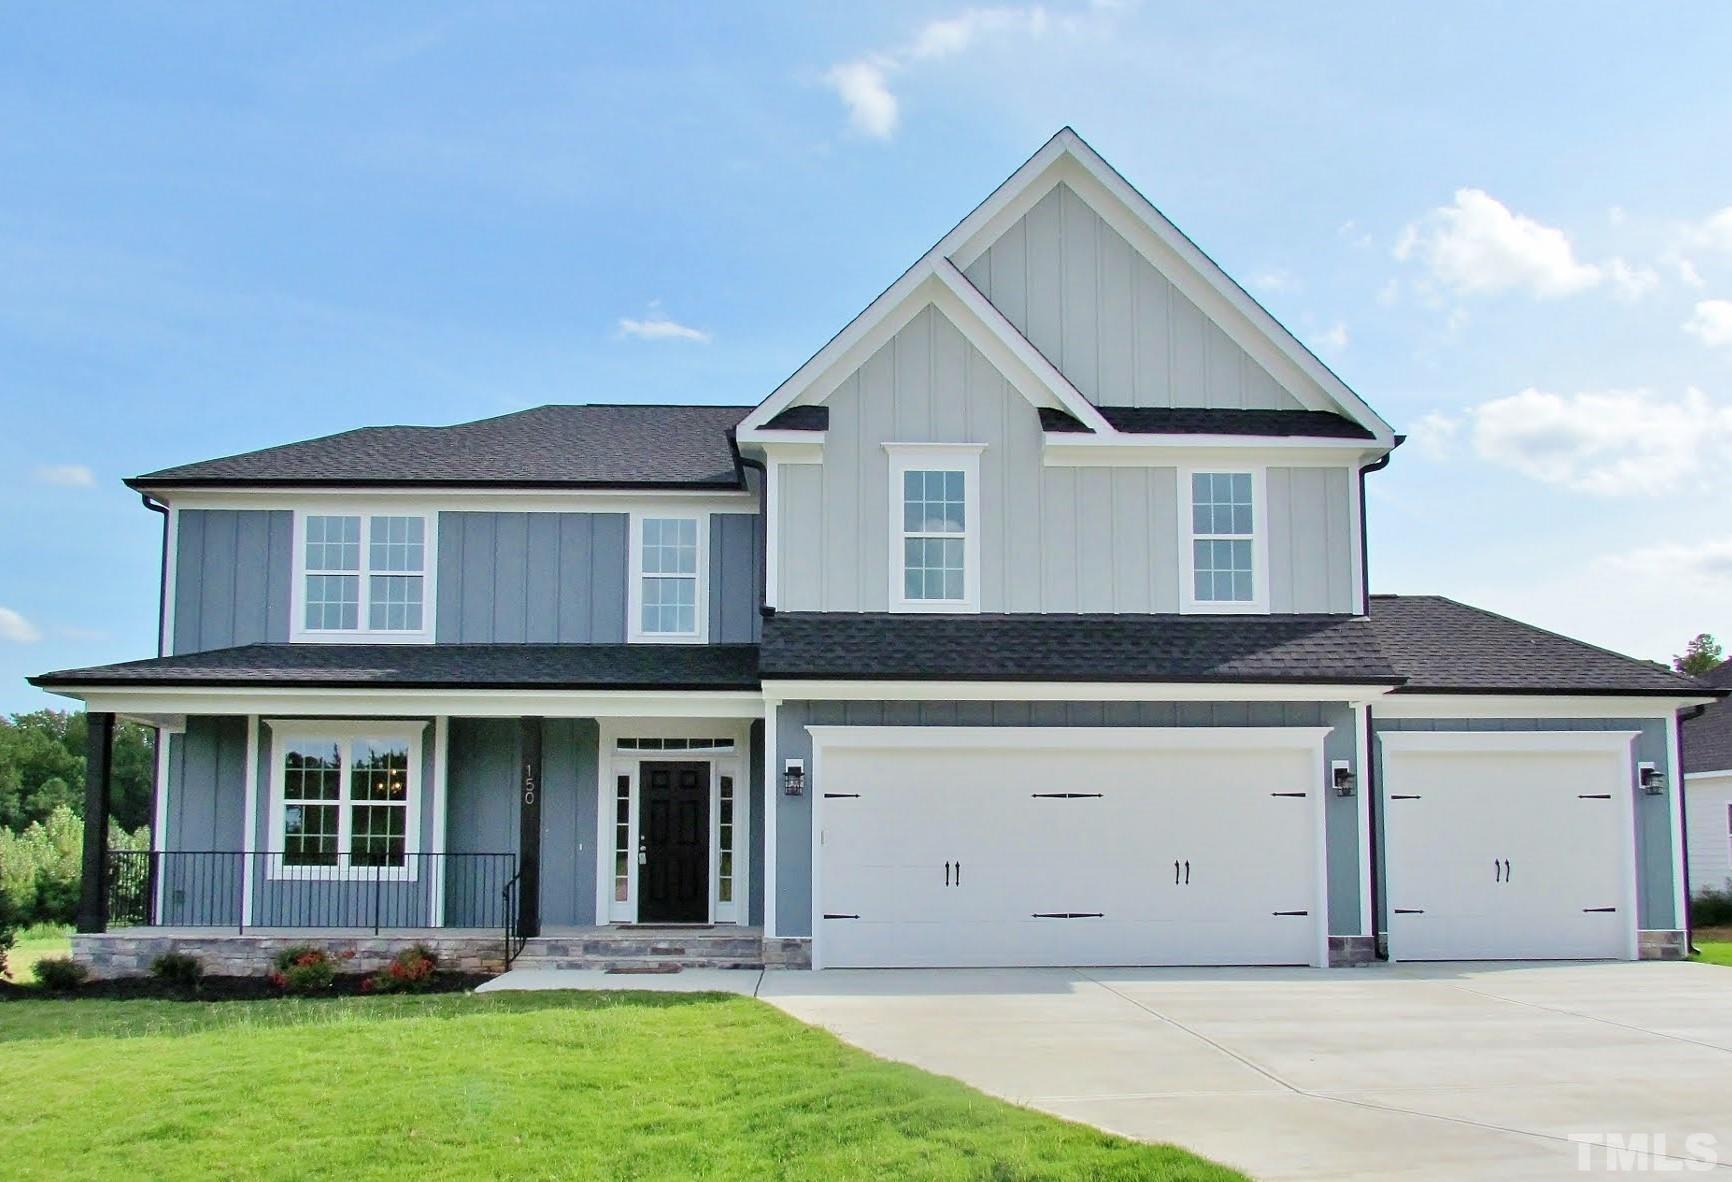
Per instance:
(1435,1072)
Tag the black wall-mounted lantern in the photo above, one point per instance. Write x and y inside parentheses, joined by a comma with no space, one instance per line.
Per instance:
(1653,780)
(794,777)
(1342,777)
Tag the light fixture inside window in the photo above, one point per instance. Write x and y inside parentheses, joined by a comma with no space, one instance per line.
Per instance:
(1652,779)
(794,777)
(1342,777)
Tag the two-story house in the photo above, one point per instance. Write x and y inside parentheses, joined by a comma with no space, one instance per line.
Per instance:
(1026,624)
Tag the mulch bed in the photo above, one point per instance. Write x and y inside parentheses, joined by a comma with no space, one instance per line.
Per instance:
(228,988)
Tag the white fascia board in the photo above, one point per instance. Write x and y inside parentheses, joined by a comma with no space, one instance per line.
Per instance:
(933,281)
(433,500)
(397,703)
(1072,450)
(1524,706)
(809,449)
(1075,738)
(1067,691)
(1066,157)
(1507,742)
(1700,778)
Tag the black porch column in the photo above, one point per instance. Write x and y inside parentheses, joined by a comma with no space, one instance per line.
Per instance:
(93,895)
(529,832)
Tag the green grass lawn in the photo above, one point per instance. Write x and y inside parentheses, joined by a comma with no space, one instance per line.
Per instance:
(552,1085)
(33,944)
(1715,944)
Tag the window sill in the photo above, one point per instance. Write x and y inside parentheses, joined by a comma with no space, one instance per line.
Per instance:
(359,637)
(357,874)
(935,607)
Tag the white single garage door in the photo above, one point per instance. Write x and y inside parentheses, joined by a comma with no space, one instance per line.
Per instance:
(1037,846)
(1509,846)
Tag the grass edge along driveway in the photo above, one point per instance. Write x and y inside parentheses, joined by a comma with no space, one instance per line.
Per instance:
(581,1085)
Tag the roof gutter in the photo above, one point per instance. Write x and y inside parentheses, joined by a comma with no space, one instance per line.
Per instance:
(1377,465)
(156,506)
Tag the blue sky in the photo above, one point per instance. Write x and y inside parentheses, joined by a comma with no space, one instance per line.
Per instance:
(1508,227)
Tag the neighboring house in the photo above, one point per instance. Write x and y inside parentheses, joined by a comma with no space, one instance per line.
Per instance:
(1708,784)
(1025,624)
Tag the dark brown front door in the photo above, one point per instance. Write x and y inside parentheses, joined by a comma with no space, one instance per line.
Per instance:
(674,841)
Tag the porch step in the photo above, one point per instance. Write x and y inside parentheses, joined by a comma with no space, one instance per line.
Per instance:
(635,950)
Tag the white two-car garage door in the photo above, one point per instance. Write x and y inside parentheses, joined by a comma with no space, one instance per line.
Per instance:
(1027,846)
(1509,846)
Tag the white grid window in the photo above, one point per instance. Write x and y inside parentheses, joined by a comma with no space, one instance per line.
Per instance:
(668,576)
(364,574)
(344,799)
(725,840)
(934,535)
(622,839)
(1223,532)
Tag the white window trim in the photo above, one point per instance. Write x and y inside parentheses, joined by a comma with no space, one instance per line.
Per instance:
(963,457)
(1189,604)
(299,633)
(634,587)
(286,731)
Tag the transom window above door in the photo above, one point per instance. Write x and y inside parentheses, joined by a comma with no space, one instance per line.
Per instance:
(935,534)
(667,598)
(362,575)
(1224,560)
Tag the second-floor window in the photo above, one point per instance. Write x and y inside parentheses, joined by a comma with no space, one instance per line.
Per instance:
(935,528)
(363,574)
(667,578)
(1224,553)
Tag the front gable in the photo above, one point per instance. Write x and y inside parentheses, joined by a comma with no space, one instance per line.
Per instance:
(1100,298)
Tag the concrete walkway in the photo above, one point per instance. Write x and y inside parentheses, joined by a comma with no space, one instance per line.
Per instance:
(1404,1072)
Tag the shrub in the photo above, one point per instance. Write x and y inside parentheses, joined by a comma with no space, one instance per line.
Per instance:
(1712,907)
(410,971)
(42,866)
(60,973)
(303,969)
(180,969)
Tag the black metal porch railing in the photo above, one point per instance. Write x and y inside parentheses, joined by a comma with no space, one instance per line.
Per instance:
(271,889)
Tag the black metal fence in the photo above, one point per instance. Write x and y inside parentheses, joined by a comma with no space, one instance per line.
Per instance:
(271,889)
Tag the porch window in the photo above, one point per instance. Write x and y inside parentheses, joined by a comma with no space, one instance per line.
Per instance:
(344,796)
(363,574)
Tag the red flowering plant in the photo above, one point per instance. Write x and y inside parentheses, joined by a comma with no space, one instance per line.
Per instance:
(410,971)
(303,969)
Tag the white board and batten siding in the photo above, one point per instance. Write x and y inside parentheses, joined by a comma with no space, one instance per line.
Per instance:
(1109,321)
(972,847)
(1053,539)
(1515,846)
(1710,825)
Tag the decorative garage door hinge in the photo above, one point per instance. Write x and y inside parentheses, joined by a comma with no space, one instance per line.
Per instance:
(1066,795)
(841,796)
(836,915)
(1600,910)
(1068,915)
(1289,794)
(1292,913)
(1410,911)
(1398,796)
(1594,796)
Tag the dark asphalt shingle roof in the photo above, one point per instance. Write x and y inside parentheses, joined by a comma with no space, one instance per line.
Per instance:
(593,446)
(1440,645)
(801,418)
(439,666)
(1337,649)
(1708,738)
(1189,420)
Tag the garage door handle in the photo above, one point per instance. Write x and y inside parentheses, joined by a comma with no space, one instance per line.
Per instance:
(1496,870)
(1506,869)
(959,874)
(1187,874)
(947,874)
(1175,873)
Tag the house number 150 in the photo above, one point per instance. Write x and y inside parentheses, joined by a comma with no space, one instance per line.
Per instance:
(528,784)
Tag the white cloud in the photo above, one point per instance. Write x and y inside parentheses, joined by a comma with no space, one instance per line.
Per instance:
(1711,323)
(16,628)
(863,84)
(1478,246)
(65,475)
(1350,230)
(1434,435)
(1632,283)
(1607,442)
(1715,231)
(1688,274)
(1274,279)
(1390,293)
(657,326)
(1334,338)
(1704,565)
